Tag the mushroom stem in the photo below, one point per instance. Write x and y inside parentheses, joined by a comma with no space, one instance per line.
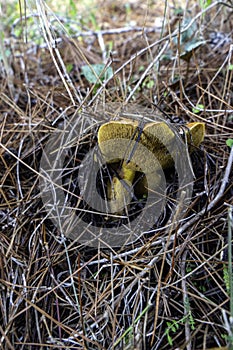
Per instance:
(119,189)
(127,172)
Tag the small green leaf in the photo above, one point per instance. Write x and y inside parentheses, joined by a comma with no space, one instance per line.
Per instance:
(169,339)
(190,47)
(141,68)
(69,67)
(167,330)
(174,327)
(198,108)
(230,67)
(191,321)
(150,84)
(229,142)
(95,72)
(73,9)
(205,3)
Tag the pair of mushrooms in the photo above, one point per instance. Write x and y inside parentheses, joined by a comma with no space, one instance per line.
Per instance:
(146,150)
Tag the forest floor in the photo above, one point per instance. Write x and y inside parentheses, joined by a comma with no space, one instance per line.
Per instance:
(171,288)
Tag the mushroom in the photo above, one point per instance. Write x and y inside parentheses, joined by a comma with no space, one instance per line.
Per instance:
(147,151)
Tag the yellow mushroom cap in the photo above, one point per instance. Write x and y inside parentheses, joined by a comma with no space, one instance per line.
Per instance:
(129,130)
(114,130)
(156,148)
(157,137)
(196,133)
